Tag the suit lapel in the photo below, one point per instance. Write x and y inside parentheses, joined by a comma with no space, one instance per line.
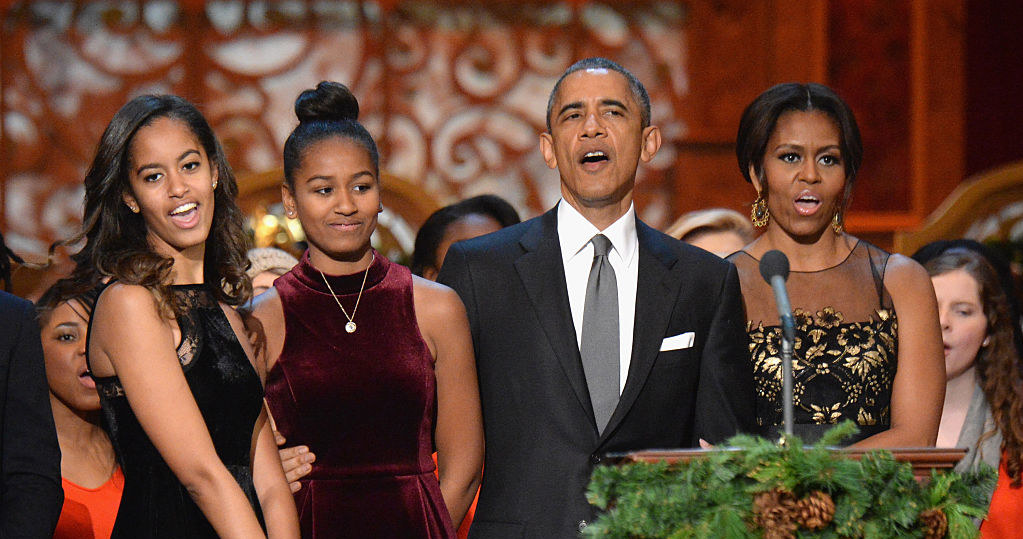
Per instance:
(543,276)
(659,280)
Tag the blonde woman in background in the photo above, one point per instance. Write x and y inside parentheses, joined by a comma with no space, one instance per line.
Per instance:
(719,230)
(268,263)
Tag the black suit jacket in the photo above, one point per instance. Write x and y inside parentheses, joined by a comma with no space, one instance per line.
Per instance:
(30,493)
(541,437)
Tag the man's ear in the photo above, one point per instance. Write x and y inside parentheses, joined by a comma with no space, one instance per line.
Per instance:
(755,179)
(288,199)
(651,143)
(547,149)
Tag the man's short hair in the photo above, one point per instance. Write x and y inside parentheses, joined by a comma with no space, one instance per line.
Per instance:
(638,91)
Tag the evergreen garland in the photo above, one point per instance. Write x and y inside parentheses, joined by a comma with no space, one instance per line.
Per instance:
(714,497)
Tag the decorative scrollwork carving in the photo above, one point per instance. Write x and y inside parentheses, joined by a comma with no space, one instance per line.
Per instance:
(454,92)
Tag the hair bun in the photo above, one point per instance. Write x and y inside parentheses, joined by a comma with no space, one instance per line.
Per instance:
(330,101)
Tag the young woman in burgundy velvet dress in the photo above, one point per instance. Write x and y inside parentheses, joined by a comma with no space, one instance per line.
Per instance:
(368,367)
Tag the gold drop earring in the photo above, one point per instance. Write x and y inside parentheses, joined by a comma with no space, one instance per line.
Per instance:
(836,223)
(759,213)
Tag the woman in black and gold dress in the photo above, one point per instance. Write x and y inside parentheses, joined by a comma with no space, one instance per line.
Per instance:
(868,346)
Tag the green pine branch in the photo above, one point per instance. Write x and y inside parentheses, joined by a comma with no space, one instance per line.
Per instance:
(712,497)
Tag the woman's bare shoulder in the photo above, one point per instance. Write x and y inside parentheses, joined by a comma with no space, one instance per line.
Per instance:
(902,270)
(434,299)
(126,300)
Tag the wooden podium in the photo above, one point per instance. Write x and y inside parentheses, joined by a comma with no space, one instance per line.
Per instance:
(923,459)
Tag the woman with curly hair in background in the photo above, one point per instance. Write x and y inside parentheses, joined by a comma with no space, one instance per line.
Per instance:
(983,408)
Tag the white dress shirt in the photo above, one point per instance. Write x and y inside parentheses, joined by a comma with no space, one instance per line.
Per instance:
(574,234)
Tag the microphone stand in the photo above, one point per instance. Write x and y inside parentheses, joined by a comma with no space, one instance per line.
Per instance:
(788,338)
(774,267)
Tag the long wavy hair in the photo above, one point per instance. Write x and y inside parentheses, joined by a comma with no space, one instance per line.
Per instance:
(997,363)
(116,243)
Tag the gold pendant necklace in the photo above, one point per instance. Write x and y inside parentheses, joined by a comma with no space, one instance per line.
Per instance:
(350,326)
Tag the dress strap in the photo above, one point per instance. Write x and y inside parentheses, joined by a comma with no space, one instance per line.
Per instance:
(878,261)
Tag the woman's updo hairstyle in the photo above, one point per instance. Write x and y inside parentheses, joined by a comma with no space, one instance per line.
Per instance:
(330,110)
(761,117)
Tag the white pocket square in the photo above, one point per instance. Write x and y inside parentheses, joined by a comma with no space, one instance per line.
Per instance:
(678,342)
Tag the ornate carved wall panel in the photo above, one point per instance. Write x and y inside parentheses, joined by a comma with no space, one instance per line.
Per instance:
(454,91)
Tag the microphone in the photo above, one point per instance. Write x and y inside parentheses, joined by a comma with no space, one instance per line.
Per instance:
(774,267)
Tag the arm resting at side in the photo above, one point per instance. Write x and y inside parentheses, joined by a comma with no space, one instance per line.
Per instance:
(918,391)
(275,498)
(459,429)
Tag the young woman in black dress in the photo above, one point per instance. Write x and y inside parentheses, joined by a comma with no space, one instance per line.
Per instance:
(181,395)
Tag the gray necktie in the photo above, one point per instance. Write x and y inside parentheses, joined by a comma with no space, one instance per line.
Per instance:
(599,348)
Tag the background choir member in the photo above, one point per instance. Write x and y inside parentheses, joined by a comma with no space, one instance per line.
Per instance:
(180,393)
(718,230)
(1001,266)
(90,476)
(868,345)
(983,402)
(462,220)
(368,366)
(268,263)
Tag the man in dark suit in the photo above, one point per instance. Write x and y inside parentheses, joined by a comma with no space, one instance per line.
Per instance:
(593,332)
(29,455)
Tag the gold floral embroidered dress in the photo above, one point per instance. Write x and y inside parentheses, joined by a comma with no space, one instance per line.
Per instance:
(845,355)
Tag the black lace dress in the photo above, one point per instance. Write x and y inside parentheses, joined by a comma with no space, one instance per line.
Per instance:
(845,354)
(229,395)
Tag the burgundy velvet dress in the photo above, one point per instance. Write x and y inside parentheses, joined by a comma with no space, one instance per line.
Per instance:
(363,402)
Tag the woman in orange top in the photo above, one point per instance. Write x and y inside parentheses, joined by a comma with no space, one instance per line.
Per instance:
(90,476)
(983,408)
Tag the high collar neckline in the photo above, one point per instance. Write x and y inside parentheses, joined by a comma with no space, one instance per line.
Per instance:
(341,284)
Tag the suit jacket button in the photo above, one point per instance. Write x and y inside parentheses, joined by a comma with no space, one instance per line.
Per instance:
(582,525)
(594,459)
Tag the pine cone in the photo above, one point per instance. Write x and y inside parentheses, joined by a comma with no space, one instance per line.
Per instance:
(935,523)
(815,511)
(773,512)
